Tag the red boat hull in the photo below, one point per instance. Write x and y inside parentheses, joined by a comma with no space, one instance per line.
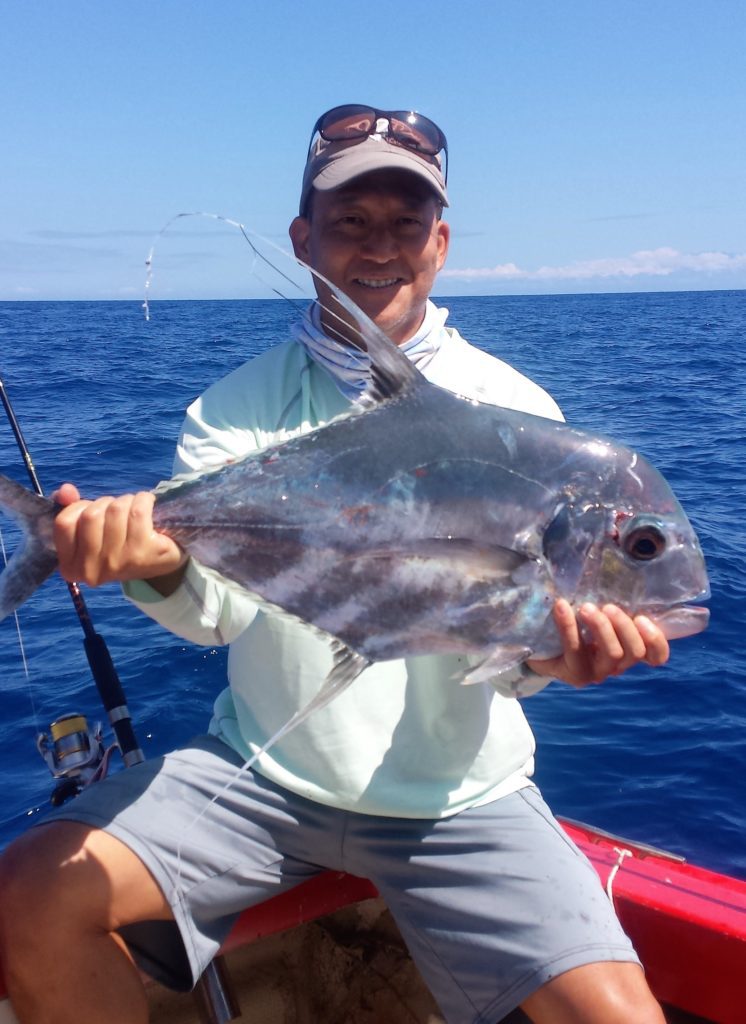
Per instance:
(688,924)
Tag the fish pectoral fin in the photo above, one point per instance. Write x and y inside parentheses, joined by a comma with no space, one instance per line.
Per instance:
(501,660)
(480,559)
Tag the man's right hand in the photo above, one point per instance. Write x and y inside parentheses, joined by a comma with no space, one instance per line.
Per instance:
(114,540)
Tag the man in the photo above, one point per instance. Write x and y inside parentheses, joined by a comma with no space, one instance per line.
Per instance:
(406,778)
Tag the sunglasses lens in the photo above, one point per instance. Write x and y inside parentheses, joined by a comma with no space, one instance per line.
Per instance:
(405,127)
(347,122)
(417,132)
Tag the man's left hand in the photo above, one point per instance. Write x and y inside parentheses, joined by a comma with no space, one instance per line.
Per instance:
(611,643)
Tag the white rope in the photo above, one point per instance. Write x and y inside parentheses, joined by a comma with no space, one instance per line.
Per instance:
(623,852)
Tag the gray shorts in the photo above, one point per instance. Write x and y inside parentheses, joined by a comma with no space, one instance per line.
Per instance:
(492,902)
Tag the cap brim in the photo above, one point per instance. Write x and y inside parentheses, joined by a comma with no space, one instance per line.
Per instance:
(337,166)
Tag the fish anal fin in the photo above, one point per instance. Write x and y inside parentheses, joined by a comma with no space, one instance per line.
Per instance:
(501,660)
(347,666)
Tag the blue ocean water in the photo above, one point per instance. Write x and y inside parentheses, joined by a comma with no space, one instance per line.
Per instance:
(658,755)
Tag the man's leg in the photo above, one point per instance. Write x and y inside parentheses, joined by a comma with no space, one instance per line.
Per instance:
(64,889)
(500,910)
(600,993)
(122,853)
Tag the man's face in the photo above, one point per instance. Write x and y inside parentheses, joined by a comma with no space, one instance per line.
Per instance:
(379,241)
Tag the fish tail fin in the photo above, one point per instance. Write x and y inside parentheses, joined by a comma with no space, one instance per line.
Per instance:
(35,558)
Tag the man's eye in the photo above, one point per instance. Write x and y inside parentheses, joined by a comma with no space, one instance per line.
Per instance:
(409,225)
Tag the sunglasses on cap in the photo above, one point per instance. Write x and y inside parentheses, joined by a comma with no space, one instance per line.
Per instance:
(353,122)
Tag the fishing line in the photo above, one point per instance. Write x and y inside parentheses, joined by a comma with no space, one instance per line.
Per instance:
(22,648)
(213,994)
(102,667)
(249,237)
(258,255)
(326,694)
(26,454)
(328,691)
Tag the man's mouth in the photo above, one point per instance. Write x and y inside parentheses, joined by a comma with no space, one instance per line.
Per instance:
(377,282)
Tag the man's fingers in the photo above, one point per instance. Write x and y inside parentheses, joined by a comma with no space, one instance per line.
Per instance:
(65,534)
(79,537)
(601,642)
(141,515)
(657,649)
(159,554)
(113,539)
(66,494)
(615,643)
(567,626)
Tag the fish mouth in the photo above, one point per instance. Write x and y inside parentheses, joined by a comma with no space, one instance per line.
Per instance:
(681,620)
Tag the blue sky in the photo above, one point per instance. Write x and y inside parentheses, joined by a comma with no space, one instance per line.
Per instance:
(594,145)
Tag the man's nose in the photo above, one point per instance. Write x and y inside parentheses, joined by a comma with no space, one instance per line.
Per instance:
(380,244)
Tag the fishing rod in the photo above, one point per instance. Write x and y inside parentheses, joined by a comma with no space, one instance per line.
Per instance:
(71,740)
(76,752)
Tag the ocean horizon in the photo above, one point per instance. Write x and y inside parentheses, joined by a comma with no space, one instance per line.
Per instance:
(438,298)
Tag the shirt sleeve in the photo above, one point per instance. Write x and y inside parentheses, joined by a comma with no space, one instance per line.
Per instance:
(205,608)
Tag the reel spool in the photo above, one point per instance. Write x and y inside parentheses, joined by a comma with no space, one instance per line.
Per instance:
(73,753)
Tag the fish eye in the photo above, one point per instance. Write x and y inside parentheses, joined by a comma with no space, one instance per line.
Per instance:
(644,543)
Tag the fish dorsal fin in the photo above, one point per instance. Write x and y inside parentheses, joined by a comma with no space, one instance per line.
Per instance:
(391,373)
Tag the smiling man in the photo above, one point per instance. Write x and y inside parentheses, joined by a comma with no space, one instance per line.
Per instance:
(406,778)
(380,239)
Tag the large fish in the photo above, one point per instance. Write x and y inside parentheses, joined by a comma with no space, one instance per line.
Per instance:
(423,523)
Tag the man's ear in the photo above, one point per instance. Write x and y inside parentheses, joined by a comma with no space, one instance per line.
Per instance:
(299,231)
(444,237)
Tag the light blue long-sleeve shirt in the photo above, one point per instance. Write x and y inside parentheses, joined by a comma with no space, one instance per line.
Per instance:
(405,739)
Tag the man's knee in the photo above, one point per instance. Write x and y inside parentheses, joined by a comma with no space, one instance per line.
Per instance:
(35,875)
(600,993)
(70,875)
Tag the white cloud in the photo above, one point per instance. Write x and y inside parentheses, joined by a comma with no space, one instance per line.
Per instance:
(652,262)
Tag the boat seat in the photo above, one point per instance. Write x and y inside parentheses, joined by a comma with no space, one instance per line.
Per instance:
(318,896)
